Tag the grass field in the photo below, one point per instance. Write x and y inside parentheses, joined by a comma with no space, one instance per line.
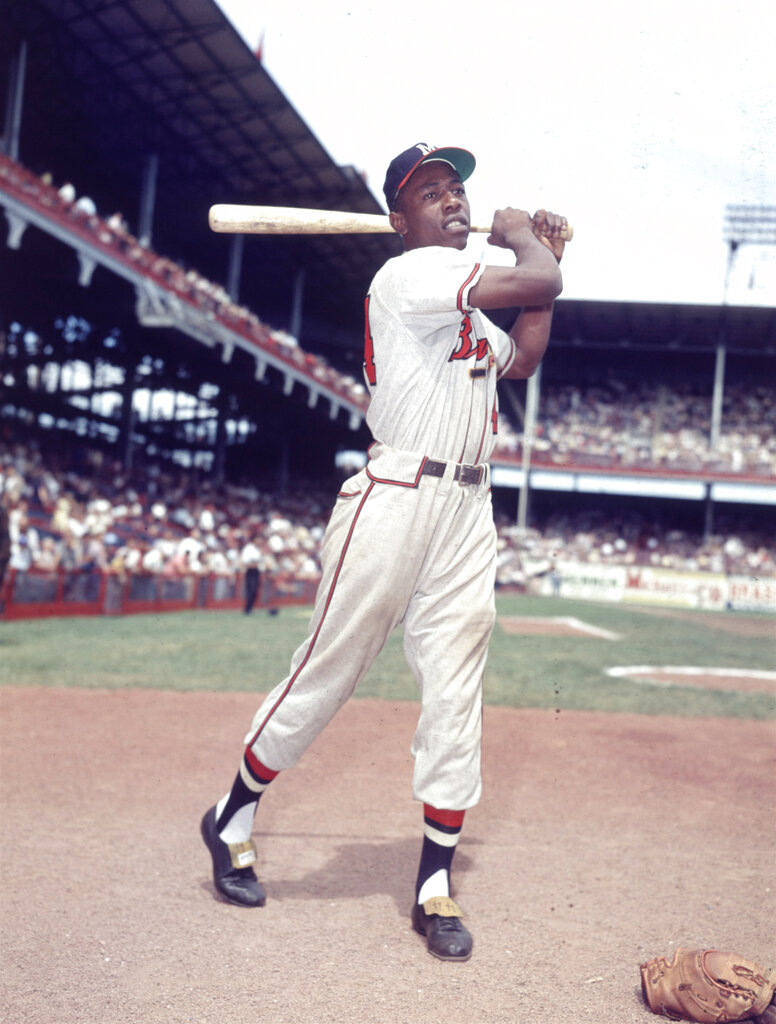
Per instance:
(231,651)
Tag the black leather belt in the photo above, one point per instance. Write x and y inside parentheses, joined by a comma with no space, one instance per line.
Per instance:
(463,474)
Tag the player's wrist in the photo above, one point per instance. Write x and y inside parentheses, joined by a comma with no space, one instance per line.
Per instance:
(519,237)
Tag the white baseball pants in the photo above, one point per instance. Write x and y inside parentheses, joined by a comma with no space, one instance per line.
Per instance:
(400,547)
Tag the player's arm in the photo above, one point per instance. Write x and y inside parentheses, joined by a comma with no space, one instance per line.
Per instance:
(531,335)
(535,279)
(537,254)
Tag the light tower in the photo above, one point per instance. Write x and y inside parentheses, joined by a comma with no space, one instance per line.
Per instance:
(744,225)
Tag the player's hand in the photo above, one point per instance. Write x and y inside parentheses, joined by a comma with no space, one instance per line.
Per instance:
(547,227)
(506,224)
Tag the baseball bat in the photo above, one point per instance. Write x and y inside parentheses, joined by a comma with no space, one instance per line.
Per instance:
(290,220)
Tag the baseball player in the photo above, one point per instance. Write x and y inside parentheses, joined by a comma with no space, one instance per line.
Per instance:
(411,539)
(251,559)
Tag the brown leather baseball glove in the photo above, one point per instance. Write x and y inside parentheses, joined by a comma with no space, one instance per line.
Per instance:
(709,986)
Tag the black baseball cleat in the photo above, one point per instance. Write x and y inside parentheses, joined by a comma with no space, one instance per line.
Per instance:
(233,875)
(439,919)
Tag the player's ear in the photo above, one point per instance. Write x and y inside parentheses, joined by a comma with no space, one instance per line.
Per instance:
(398,222)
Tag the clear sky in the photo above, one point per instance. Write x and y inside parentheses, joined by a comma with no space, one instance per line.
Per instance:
(639,121)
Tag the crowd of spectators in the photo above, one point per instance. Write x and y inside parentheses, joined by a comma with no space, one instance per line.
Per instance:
(629,539)
(185,283)
(644,425)
(96,518)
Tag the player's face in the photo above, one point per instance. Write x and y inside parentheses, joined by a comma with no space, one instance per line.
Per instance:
(433,209)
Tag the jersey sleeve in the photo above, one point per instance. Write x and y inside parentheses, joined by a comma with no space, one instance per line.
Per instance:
(501,344)
(505,351)
(428,288)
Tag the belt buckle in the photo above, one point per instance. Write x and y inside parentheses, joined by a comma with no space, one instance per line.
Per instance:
(463,474)
(468,474)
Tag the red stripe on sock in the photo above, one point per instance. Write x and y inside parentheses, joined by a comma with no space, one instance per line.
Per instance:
(453,819)
(258,768)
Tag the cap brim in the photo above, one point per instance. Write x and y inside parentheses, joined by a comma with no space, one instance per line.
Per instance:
(461,159)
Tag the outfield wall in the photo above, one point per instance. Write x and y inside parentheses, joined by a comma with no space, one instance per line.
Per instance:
(673,588)
(40,594)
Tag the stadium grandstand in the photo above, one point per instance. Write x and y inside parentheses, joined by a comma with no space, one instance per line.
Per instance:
(169,394)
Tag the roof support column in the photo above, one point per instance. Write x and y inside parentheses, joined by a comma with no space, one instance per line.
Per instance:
(234,273)
(16,228)
(708,516)
(14,103)
(717,396)
(127,427)
(148,199)
(219,450)
(283,468)
(295,328)
(529,433)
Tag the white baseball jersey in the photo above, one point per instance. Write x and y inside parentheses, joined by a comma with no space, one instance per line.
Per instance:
(406,546)
(431,360)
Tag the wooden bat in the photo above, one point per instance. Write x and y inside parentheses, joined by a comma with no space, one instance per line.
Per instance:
(289,220)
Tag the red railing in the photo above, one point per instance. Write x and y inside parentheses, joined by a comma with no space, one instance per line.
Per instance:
(38,593)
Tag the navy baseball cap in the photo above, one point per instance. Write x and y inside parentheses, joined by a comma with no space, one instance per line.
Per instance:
(402,167)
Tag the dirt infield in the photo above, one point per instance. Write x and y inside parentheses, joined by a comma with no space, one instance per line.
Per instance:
(601,841)
(552,625)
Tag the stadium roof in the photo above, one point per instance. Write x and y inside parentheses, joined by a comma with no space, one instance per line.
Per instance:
(660,327)
(108,83)
(180,81)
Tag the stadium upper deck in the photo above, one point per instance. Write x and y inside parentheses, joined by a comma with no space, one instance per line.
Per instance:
(156,109)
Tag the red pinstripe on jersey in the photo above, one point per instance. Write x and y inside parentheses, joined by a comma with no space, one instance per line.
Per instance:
(482,437)
(317,632)
(370,371)
(512,355)
(464,286)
